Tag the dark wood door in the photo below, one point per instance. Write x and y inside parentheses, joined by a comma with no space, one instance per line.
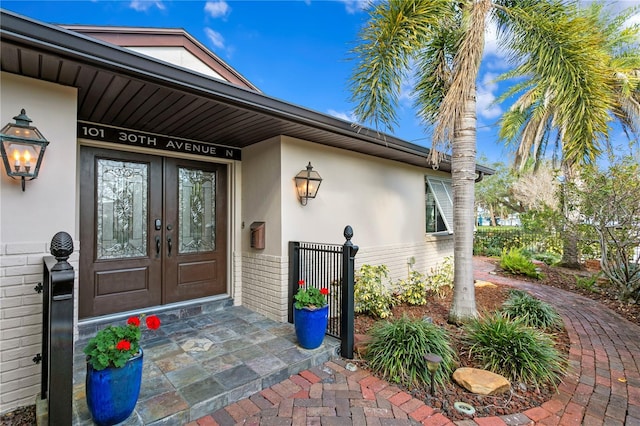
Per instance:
(152,231)
(195,230)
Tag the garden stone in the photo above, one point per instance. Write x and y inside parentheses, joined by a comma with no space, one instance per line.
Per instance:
(480,283)
(482,382)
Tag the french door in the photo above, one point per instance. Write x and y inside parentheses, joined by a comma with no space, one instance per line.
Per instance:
(153,230)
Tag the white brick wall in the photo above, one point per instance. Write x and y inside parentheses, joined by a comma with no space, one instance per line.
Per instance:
(20,323)
(264,284)
(426,255)
(21,270)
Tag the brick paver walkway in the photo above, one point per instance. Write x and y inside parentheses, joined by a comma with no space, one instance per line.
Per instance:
(602,387)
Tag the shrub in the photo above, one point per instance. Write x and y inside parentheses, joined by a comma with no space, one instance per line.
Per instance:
(371,295)
(397,351)
(515,262)
(413,290)
(493,252)
(510,348)
(531,311)
(548,258)
(441,277)
(587,283)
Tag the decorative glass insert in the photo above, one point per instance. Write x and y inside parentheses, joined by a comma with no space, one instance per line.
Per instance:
(122,209)
(196,211)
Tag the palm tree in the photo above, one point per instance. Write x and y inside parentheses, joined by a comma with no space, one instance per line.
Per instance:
(534,119)
(444,41)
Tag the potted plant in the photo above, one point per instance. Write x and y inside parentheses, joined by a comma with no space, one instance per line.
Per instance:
(310,315)
(114,370)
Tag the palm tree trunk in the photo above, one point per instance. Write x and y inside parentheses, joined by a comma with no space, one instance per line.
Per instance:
(570,246)
(571,218)
(463,166)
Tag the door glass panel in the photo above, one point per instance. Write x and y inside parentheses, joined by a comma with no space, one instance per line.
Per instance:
(196,210)
(122,209)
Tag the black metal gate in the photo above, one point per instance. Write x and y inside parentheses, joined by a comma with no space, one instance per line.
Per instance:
(327,266)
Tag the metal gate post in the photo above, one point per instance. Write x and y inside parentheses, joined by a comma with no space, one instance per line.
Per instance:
(348,310)
(59,277)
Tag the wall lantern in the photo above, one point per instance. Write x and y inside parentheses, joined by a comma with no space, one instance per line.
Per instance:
(22,147)
(307,183)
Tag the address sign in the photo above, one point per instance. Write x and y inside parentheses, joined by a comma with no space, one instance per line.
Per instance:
(148,140)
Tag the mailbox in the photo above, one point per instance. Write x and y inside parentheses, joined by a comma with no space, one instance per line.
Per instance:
(257,235)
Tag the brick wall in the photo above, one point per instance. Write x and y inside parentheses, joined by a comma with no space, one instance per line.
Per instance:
(264,284)
(426,255)
(21,269)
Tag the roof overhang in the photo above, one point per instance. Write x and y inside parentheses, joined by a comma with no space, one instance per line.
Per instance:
(119,87)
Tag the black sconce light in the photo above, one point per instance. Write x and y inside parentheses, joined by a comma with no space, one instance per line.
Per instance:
(307,183)
(22,147)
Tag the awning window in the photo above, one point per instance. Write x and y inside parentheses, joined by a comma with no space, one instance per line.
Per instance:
(439,205)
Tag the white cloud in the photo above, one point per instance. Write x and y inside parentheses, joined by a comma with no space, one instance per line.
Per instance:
(355,6)
(492,48)
(217,8)
(346,116)
(633,20)
(215,38)
(144,5)
(485,97)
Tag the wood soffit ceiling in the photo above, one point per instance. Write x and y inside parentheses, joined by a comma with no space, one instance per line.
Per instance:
(121,88)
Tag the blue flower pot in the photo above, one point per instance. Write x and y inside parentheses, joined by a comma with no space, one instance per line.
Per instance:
(112,393)
(310,325)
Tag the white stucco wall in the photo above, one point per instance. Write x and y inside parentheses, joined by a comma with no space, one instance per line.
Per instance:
(28,221)
(383,201)
(177,55)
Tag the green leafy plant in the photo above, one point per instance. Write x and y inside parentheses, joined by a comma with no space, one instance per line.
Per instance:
(510,348)
(531,311)
(398,347)
(372,295)
(588,282)
(413,290)
(548,258)
(441,277)
(310,297)
(515,262)
(114,345)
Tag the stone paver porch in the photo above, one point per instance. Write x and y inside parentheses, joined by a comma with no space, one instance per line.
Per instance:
(205,358)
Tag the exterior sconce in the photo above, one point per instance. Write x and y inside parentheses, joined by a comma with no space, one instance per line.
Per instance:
(307,183)
(22,147)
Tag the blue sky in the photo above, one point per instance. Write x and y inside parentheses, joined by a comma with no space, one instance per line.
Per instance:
(292,50)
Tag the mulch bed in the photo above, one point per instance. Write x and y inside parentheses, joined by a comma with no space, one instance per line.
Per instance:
(489,299)
(23,416)
(519,399)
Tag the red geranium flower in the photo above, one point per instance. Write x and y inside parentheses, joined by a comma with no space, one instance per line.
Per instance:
(301,283)
(153,322)
(123,345)
(134,321)
(324,291)
(114,345)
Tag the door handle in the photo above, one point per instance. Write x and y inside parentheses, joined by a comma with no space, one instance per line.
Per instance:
(169,245)
(157,245)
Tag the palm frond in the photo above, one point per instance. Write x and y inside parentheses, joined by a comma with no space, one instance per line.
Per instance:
(395,31)
(465,65)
